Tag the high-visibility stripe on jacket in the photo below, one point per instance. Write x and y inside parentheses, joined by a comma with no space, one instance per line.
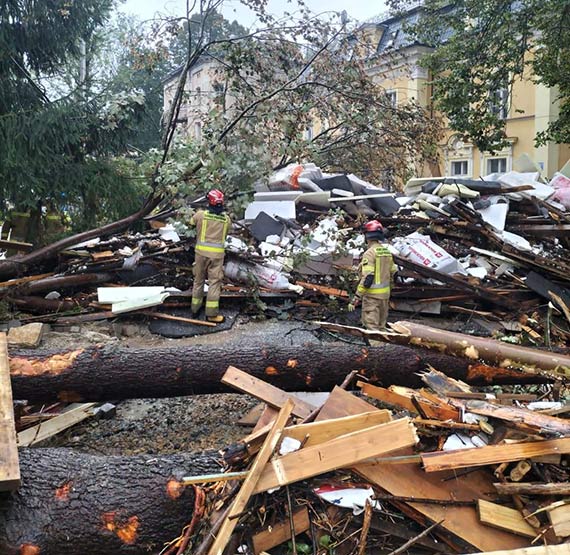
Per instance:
(376,261)
(211,232)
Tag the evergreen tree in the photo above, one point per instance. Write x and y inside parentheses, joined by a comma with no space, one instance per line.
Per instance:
(56,151)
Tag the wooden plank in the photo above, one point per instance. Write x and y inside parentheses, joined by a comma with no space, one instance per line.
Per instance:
(504,518)
(560,519)
(410,480)
(493,454)
(323,430)
(75,413)
(563,549)
(241,499)
(265,392)
(9,464)
(281,531)
(342,403)
(341,452)
(266,419)
(529,488)
(251,418)
(387,396)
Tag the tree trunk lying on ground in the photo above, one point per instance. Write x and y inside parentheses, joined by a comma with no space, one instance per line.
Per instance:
(71,503)
(118,372)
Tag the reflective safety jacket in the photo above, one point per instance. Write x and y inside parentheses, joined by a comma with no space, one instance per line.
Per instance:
(376,261)
(211,232)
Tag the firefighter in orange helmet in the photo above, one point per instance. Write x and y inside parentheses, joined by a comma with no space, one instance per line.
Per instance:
(212,226)
(377,271)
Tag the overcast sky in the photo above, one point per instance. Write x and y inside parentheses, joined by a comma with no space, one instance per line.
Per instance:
(233,9)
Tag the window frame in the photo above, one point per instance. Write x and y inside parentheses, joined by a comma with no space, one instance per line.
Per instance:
(392,96)
(490,159)
(465,161)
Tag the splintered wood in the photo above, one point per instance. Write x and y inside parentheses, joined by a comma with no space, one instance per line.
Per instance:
(9,465)
(350,433)
(492,454)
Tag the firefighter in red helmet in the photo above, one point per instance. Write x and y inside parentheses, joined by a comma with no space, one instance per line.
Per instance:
(212,226)
(376,275)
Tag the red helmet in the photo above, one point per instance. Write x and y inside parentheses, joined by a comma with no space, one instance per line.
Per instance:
(373,225)
(215,197)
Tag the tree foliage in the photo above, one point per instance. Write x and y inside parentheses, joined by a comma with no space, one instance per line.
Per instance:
(57,145)
(482,46)
(293,91)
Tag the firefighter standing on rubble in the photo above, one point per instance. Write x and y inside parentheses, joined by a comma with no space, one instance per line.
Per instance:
(377,271)
(212,226)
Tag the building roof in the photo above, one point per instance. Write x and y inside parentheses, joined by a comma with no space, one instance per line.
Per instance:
(175,72)
(394,35)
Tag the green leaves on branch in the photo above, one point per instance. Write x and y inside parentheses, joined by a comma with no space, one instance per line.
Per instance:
(483,46)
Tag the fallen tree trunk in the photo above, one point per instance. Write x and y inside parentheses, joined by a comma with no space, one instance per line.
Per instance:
(19,265)
(477,348)
(72,503)
(118,372)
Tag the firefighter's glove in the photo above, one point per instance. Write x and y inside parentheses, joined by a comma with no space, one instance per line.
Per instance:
(368,280)
(353,304)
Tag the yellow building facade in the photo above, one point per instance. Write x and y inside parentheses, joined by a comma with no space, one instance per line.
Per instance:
(527,109)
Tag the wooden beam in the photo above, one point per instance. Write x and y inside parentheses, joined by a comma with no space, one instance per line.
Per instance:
(493,454)
(273,396)
(276,534)
(9,465)
(504,518)
(538,550)
(75,413)
(247,489)
(529,488)
(411,400)
(342,452)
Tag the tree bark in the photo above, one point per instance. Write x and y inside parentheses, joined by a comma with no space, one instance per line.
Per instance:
(469,346)
(118,372)
(75,504)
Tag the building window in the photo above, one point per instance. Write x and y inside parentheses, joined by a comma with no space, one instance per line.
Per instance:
(496,165)
(308,133)
(198,131)
(459,168)
(392,97)
(499,103)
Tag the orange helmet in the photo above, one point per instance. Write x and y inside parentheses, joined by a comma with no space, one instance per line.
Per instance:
(215,197)
(372,226)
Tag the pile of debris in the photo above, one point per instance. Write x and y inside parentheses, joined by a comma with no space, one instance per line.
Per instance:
(494,249)
(476,470)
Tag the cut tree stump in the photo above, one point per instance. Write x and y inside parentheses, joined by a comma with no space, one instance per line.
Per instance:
(71,503)
(117,372)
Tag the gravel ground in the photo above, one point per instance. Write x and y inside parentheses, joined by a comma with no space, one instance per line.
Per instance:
(162,426)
